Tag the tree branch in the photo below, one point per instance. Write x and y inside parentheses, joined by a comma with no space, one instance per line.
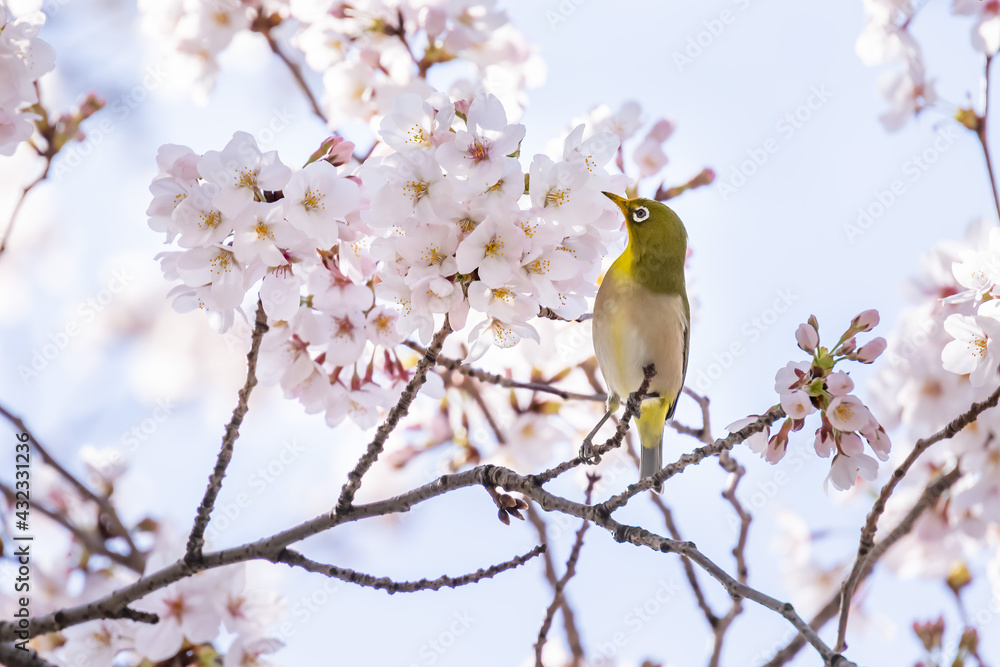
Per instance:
(981,134)
(297,75)
(736,472)
(558,599)
(489,476)
(106,511)
(20,202)
(931,493)
(697,456)
(871,524)
(493,378)
(594,455)
(398,411)
(296,559)
(569,618)
(91,543)
(15,657)
(197,538)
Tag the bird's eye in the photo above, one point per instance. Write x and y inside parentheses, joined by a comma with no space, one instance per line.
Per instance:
(640,214)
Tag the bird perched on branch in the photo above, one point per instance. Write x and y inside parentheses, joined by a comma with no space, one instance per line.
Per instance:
(642,317)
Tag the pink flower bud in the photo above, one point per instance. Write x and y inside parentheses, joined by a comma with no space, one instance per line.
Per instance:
(839,383)
(824,444)
(866,321)
(850,444)
(661,130)
(871,350)
(435,21)
(847,346)
(807,338)
(462,108)
(340,152)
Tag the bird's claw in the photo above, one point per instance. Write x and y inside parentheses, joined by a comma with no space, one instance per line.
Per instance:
(587,453)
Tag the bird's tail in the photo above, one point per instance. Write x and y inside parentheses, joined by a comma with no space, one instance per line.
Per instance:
(651,419)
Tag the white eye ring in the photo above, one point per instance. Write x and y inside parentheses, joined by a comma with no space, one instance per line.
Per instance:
(640,214)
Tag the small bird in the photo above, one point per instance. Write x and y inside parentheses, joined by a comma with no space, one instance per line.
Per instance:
(642,317)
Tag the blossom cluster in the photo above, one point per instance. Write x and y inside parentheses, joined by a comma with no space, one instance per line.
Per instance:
(192,611)
(442,223)
(806,387)
(939,364)
(975,350)
(887,40)
(367,52)
(24,58)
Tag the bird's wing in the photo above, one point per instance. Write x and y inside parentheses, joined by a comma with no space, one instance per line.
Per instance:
(687,342)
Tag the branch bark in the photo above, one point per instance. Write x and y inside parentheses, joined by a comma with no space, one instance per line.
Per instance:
(871,524)
(196,541)
(931,493)
(296,559)
(398,411)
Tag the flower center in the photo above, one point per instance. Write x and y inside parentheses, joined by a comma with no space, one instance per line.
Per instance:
(263,231)
(312,200)
(417,190)
(557,197)
(246,178)
(480,150)
(494,248)
(210,219)
(418,136)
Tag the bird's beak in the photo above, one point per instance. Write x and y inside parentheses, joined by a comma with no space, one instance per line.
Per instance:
(621,201)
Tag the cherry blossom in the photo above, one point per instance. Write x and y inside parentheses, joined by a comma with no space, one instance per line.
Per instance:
(24,58)
(986,28)
(807,387)
(240,172)
(974,350)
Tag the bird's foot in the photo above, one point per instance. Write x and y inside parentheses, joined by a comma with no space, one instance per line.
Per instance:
(587,453)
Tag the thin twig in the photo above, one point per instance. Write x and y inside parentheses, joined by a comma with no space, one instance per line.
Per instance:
(297,75)
(488,476)
(569,618)
(92,543)
(871,524)
(981,134)
(932,492)
(736,472)
(107,512)
(197,538)
(398,411)
(558,599)
(20,202)
(493,378)
(632,406)
(296,559)
(698,455)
